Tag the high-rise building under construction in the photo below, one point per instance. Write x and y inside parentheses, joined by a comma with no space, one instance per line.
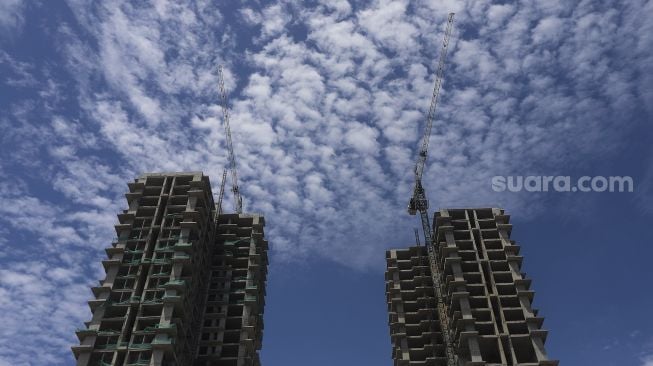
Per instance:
(486,296)
(184,285)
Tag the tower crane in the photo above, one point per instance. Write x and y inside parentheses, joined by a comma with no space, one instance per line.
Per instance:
(419,202)
(238,200)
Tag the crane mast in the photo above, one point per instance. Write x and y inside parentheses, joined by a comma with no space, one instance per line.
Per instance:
(426,136)
(221,195)
(238,201)
(419,202)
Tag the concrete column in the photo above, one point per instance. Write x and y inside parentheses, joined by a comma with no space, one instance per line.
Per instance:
(538,346)
(157,357)
(83,359)
(475,349)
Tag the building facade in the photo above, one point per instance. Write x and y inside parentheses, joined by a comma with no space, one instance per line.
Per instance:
(183,285)
(232,327)
(488,298)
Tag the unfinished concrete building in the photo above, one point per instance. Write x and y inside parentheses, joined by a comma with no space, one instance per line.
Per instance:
(488,299)
(152,308)
(232,329)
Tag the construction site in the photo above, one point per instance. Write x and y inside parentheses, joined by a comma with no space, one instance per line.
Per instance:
(461,299)
(185,281)
(480,313)
(184,284)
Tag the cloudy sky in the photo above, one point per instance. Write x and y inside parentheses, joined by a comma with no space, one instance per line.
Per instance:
(328,100)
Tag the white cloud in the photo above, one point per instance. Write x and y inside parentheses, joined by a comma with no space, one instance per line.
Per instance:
(362,138)
(45,274)
(31,291)
(388,23)
(21,74)
(549,30)
(342,8)
(647,360)
(325,129)
(250,16)
(11,16)
(274,19)
(497,14)
(338,106)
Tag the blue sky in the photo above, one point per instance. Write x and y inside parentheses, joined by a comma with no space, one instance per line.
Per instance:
(328,98)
